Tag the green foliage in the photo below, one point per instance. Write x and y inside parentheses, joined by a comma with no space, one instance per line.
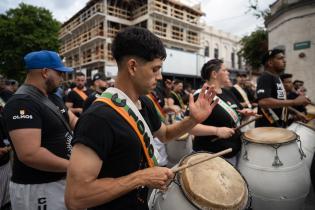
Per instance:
(254,47)
(24,29)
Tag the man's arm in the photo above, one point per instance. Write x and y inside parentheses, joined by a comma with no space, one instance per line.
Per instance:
(74,110)
(208,130)
(27,144)
(275,103)
(72,119)
(84,189)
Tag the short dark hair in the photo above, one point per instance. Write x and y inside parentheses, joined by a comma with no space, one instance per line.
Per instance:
(270,54)
(211,65)
(298,81)
(285,76)
(139,42)
(79,74)
(241,74)
(177,81)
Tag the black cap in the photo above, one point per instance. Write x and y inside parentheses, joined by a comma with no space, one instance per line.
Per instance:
(99,75)
(270,54)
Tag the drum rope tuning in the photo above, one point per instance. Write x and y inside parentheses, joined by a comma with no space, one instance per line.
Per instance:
(277,162)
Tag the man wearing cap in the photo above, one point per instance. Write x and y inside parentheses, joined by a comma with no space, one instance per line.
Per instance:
(40,133)
(271,95)
(99,85)
(78,95)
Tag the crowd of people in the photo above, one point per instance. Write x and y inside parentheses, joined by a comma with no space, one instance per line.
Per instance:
(103,146)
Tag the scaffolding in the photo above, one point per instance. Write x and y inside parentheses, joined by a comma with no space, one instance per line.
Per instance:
(86,38)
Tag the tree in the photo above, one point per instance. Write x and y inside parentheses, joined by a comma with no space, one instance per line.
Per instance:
(24,29)
(254,47)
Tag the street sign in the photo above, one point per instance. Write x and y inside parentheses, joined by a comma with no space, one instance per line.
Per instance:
(302,45)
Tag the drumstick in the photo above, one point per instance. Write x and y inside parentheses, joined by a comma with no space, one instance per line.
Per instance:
(297,112)
(223,152)
(241,126)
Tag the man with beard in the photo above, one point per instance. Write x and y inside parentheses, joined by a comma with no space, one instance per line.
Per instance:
(78,95)
(271,95)
(40,133)
(99,85)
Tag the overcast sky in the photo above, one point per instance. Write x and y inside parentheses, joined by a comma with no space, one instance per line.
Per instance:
(227,15)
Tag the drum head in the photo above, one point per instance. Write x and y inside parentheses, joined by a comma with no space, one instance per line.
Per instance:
(306,125)
(269,135)
(213,184)
(310,109)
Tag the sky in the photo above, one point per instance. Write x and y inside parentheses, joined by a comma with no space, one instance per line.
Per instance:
(227,15)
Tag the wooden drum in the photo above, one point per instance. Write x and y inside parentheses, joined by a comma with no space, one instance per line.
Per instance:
(214,184)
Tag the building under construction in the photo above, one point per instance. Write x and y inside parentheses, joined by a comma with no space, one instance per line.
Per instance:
(86,38)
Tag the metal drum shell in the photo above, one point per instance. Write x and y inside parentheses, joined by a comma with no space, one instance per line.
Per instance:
(307,136)
(282,188)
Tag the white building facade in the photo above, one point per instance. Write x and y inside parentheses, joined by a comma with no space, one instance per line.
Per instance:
(291,27)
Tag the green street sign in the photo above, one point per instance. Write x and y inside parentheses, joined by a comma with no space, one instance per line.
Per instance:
(302,45)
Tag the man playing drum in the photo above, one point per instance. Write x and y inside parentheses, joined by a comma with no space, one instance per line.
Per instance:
(112,161)
(271,95)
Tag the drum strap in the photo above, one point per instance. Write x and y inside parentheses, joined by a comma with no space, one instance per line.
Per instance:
(243,94)
(228,109)
(124,106)
(157,106)
(80,93)
(179,98)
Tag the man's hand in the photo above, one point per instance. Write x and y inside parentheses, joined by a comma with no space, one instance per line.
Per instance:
(202,108)
(156,177)
(248,112)
(224,132)
(301,100)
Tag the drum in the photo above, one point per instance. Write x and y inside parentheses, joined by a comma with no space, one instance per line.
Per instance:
(272,163)
(214,184)
(306,134)
(310,109)
(179,148)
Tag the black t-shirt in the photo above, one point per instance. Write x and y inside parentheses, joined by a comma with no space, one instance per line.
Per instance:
(103,130)
(177,99)
(22,111)
(5,95)
(237,94)
(90,99)
(269,86)
(220,118)
(76,99)
(294,95)
(3,135)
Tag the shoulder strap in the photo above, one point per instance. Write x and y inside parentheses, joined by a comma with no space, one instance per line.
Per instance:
(243,94)
(120,110)
(157,106)
(80,93)
(38,97)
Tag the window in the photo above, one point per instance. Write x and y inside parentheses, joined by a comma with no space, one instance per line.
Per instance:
(216,53)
